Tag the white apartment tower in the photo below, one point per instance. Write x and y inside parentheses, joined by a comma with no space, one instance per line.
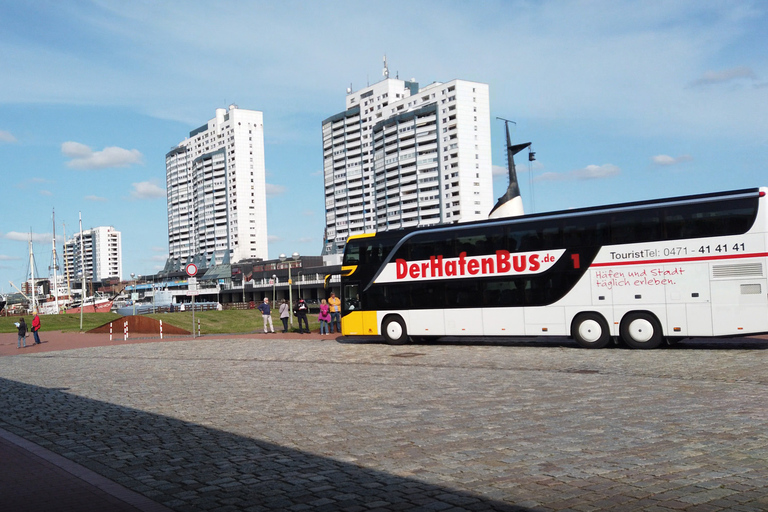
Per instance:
(400,156)
(217,211)
(102,255)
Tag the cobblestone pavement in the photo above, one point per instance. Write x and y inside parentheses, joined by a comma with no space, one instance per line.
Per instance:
(272,424)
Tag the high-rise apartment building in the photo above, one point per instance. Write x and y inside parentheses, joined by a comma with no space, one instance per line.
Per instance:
(216,188)
(401,156)
(101,255)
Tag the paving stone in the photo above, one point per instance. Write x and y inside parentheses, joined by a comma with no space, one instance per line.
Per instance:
(257,424)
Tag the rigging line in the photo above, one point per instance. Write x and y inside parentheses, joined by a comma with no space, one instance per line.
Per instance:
(530,186)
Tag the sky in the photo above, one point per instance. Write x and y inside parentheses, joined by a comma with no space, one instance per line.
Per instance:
(622,100)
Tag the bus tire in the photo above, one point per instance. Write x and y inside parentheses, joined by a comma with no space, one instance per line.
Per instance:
(394,330)
(590,330)
(641,329)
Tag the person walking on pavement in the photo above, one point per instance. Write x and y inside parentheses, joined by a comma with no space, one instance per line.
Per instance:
(285,312)
(335,305)
(266,314)
(36,328)
(301,311)
(324,317)
(22,341)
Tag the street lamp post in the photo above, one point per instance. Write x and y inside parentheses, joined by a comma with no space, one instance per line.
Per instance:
(134,294)
(274,282)
(298,282)
(295,257)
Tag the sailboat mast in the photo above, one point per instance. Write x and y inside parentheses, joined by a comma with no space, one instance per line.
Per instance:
(32,304)
(55,265)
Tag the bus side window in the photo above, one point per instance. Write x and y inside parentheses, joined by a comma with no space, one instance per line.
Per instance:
(351,298)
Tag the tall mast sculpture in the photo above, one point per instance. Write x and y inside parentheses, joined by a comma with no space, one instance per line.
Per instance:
(510,204)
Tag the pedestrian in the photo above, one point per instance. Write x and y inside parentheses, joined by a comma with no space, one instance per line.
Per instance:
(22,326)
(266,314)
(301,311)
(285,312)
(335,304)
(36,328)
(324,317)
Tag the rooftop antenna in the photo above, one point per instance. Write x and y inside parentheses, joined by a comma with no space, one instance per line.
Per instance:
(386,69)
(510,204)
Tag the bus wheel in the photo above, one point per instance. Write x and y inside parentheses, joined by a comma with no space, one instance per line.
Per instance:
(394,332)
(641,330)
(590,330)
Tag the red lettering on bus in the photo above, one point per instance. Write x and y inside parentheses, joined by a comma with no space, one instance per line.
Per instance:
(502,262)
(414,271)
(473,266)
(487,267)
(518,262)
(533,262)
(436,265)
(402,268)
(462,262)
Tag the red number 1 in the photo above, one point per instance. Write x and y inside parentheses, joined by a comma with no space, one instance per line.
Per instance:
(575,258)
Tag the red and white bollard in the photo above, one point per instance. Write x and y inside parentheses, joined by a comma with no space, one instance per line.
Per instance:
(198,327)
(125,331)
(161,329)
(110,331)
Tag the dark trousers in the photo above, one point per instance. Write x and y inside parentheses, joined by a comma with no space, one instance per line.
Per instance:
(37,337)
(303,317)
(285,323)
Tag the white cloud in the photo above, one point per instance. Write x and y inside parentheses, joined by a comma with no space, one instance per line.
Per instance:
(95,198)
(6,136)
(45,192)
(3,257)
(590,172)
(147,190)
(83,157)
(498,170)
(274,238)
(275,190)
(725,76)
(24,237)
(664,160)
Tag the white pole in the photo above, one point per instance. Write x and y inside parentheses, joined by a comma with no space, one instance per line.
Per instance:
(161,329)
(82,266)
(55,266)
(32,271)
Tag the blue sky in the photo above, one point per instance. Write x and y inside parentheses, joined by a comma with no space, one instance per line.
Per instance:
(622,100)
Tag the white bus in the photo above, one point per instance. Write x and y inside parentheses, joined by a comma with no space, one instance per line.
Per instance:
(643,273)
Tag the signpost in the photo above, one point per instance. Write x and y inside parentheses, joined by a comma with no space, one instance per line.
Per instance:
(191,270)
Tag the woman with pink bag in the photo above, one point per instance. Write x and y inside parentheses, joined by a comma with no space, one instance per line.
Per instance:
(324,317)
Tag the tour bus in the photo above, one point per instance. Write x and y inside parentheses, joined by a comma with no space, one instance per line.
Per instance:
(642,272)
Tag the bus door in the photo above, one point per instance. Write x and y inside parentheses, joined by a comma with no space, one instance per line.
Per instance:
(354,319)
(739,298)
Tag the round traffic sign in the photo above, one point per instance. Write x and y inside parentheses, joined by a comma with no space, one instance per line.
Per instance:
(191,269)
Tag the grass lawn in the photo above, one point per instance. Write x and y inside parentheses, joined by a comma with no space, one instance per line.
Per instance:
(63,322)
(211,322)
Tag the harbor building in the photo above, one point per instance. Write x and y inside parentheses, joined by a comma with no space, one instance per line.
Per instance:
(402,156)
(215,180)
(102,256)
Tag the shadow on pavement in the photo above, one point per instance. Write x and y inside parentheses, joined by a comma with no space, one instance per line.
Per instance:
(725,343)
(187,466)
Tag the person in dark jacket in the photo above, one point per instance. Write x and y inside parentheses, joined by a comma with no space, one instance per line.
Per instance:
(266,314)
(301,311)
(22,341)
